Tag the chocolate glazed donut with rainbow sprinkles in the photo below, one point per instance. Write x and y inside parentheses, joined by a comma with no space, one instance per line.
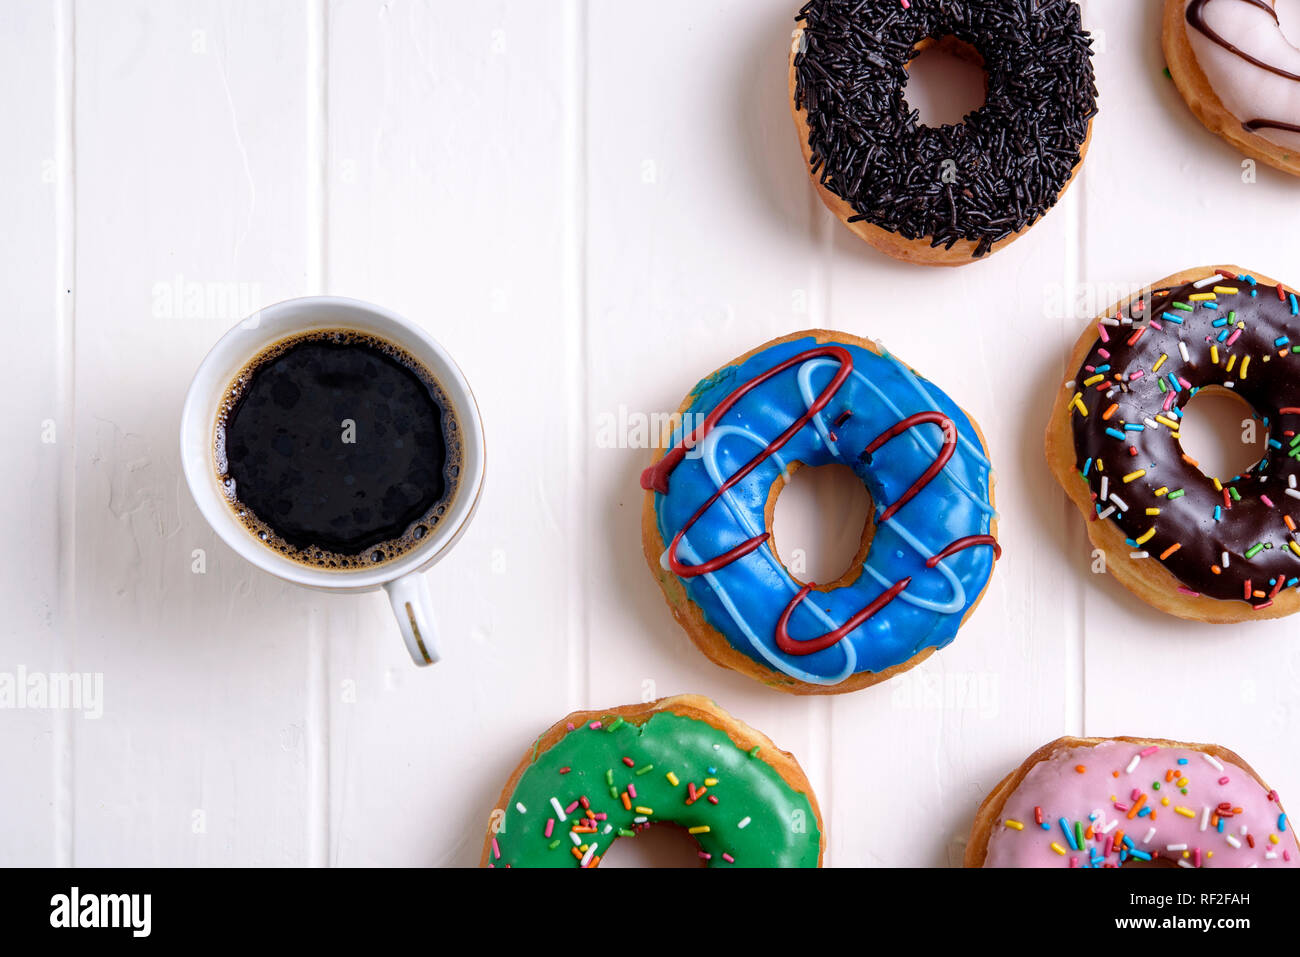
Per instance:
(811,399)
(1211,548)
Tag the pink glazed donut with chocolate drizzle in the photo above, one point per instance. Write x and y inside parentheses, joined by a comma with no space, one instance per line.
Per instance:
(1114,802)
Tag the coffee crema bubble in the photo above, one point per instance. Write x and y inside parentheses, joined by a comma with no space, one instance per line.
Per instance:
(337,449)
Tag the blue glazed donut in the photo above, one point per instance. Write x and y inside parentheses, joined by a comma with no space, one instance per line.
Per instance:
(819,398)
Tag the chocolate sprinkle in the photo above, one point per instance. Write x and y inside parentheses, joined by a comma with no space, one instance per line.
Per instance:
(1010,159)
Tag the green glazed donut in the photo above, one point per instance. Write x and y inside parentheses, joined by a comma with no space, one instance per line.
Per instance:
(598,776)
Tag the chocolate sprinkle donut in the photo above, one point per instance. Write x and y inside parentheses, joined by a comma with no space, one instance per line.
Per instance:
(1013,156)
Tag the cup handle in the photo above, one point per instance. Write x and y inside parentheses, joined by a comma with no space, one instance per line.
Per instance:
(414,610)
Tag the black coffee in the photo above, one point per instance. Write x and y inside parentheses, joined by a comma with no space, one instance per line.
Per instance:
(337,449)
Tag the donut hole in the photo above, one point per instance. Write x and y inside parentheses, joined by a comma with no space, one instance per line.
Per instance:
(660,845)
(822,521)
(1220,432)
(946,81)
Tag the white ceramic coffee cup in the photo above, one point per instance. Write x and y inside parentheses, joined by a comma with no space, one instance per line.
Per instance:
(401,578)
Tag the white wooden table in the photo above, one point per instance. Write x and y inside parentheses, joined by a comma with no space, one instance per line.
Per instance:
(591,203)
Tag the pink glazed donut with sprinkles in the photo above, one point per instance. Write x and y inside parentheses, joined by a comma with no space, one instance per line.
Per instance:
(1120,802)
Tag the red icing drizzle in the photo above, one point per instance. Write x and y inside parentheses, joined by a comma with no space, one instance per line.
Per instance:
(945,453)
(813,645)
(656,478)
(961,544)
